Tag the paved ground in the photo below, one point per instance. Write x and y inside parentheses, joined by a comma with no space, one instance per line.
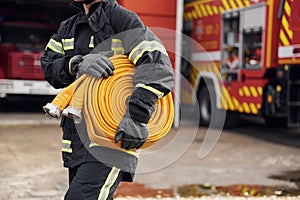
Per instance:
(31,167)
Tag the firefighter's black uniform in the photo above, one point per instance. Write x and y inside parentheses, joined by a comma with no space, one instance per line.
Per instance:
(79,35)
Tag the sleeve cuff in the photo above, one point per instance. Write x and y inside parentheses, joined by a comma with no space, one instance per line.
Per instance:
(142,105)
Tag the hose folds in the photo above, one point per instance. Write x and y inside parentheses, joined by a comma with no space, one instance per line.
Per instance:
(104,102)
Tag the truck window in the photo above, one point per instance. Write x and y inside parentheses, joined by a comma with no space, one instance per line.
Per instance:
(252,33)
(252,49)
(230,44)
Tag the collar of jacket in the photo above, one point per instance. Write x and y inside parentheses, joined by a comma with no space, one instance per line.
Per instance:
(100,15)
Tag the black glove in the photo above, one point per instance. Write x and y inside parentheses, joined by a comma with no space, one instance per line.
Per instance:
(95,65)
(133,129)
(133,134)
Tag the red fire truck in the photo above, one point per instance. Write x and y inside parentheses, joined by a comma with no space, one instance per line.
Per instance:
(244,57)
(250,58)
(25,28)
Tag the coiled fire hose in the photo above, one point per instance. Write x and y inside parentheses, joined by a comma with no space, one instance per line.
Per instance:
(103,102)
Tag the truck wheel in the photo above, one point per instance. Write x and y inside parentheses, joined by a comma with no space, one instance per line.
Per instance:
(209,111)
(206,107)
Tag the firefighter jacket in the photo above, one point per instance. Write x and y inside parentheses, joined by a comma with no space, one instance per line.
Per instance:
(108,27)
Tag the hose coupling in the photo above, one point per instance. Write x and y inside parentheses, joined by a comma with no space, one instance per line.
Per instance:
(52,110)
(73,113)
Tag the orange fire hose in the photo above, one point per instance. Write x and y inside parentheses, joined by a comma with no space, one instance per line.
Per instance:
(103,102)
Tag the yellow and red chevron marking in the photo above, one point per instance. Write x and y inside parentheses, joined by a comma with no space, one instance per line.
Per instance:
(213,67)
(286,34)
(186,93)
(229,102)
(194,75)
(205,8)
(250,91)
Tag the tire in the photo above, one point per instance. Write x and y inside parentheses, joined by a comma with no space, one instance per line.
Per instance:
(206,106)
(211,115)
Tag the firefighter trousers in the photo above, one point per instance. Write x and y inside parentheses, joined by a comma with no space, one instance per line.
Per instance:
(93,181)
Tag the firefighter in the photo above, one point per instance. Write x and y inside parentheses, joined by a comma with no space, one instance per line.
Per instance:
(68,55)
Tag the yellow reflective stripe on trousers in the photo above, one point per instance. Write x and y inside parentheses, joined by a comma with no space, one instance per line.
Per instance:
(66,146)
(91,45)
(158,93)
(55,46)
(68,44)
(109,182)
(144,46)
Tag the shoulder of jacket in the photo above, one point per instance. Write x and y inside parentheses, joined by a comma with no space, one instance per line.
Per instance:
(125,19)
(121,11)
(68,21)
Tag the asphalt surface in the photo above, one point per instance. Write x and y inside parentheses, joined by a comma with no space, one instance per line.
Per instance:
(253,154)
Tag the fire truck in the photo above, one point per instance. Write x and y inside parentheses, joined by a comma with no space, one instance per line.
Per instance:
(243,56)
(25,29)
(249,59)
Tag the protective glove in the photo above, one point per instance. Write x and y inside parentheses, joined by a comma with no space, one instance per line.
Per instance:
(133,129)
(95,65)
(131,133)
(74,64)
